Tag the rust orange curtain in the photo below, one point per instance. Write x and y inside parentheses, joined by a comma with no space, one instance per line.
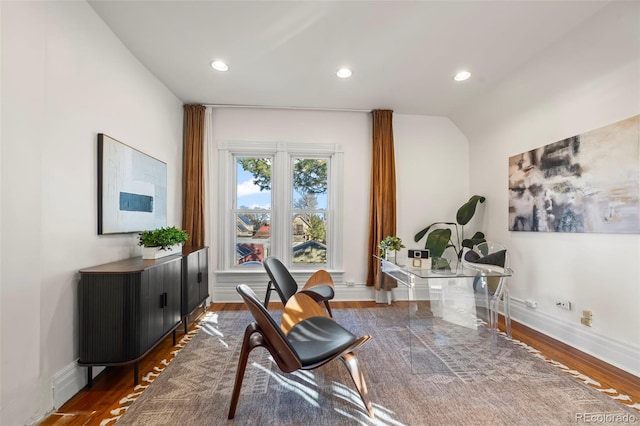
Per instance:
(193,175)
(382,204)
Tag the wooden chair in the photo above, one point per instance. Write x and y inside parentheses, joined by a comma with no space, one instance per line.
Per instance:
(309,344)
(319,286)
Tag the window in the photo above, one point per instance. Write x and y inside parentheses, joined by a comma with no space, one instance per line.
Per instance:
(310,213)
(252,212)
(280,200)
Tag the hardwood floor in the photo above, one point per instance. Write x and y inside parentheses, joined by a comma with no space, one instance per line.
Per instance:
(111,389)
(607,375)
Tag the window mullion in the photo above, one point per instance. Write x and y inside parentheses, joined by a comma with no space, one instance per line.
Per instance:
(227,193)
(282,205)
(336,175)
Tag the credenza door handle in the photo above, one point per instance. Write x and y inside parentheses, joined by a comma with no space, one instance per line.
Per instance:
(199,277)
(163,300)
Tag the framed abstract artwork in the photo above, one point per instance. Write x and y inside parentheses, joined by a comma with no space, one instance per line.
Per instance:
(132,189)
(585,183)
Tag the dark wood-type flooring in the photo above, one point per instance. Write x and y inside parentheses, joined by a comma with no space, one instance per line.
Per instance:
(91,405)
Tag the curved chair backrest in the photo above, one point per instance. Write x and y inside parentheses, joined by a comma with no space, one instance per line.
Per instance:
(279,275)
(489,255)
(320,277)
(283,353)
(490,251)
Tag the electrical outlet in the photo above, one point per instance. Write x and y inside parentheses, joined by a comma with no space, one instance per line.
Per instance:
(563,304)
(587,314)
(531,303)
(350,283)
(586,321)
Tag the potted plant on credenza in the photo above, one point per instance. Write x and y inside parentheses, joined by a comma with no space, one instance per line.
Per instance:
(162,242)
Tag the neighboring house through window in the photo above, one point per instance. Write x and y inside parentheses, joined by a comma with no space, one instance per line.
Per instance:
(281,200)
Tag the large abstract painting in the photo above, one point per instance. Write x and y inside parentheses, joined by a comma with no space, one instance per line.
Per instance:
(586,183)
(132,189)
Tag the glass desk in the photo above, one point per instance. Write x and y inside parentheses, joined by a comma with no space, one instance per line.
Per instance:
(462,295)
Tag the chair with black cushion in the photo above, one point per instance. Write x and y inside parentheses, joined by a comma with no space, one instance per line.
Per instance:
(309,344)
(319,286)
(490,255)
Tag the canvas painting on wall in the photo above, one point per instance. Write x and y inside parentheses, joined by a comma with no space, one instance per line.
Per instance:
(132,189)
(585,183)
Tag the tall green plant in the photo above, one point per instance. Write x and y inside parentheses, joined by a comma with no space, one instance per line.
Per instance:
(439,233)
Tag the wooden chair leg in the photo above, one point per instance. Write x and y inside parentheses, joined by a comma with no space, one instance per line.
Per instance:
(351,362)
(252,339)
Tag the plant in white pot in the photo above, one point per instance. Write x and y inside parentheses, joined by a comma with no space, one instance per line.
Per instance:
(389,245)
(162,242)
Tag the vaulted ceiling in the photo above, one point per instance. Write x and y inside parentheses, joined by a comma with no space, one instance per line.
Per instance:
(285,54)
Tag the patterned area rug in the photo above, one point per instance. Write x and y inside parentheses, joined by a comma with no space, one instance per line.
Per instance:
(426,371)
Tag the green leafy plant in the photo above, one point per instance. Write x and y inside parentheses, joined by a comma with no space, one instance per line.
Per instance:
(439,233)
(163,237)
(390,243)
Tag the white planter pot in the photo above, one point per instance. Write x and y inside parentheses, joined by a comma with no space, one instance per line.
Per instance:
(157,252)
(390,256)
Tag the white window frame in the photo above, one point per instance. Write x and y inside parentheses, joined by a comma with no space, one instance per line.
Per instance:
(281,195)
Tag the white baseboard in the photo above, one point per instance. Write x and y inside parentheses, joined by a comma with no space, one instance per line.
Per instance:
(354,293)
(613,352)
(69,381)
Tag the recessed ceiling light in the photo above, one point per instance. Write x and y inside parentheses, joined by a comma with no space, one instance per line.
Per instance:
(219,66)
(344,72)
(462,76)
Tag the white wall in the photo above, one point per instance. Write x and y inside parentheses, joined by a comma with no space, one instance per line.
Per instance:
(432,177)
(588,80)
(352,130)
(426,147)
(66,77)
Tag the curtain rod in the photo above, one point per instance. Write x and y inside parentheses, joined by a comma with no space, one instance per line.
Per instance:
(286,107)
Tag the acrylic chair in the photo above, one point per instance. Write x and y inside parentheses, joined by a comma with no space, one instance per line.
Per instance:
(492,256)
(319,286)
(309,344)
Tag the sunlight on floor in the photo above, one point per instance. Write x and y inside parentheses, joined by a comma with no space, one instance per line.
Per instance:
(211,317)
(307,376)
(208,325)
(383,415)
(309,395)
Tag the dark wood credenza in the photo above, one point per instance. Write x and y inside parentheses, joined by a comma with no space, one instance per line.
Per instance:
(195,281)
(127,307)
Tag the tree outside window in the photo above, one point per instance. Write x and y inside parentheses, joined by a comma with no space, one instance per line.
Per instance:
(309,189)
